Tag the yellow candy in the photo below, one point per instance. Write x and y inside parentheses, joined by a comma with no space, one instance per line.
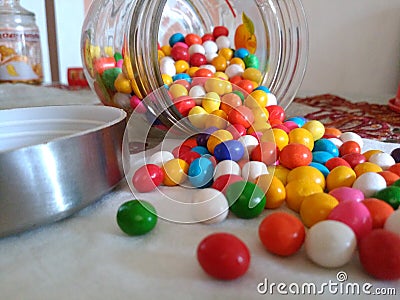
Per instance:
(160,54)
(281,138)
(366,167)
(181,66)
(238,61)
(217,118)
(301,136)
(167,79)
(211,102)
(256,99)
(108,50)
(316,128)
(221,75)
(252,74)
(227,53)
(218,137)
(95,51)
(316,208)
(307,173)
(216,85)
(166,49)
(340,176)
(260,114)
(297,191)
(192,70)
(369,153)
(123,84)
(219,62)
(198,116)
(178,90)
(273,189)
(279,172)
(175,172)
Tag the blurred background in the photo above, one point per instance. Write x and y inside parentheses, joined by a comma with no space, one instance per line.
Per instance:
(354,44)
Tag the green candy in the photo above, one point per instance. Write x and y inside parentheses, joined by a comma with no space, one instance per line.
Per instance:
(251,61)
(246,200)
(240,94)
(117,56)
(396,183)
(136,217)
(390,195)
(109,76)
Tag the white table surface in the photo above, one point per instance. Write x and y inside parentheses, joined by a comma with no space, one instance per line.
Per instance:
(86,256)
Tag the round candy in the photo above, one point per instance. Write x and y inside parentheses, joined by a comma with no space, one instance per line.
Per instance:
(379,210)
(330,244)
(246,200)
(335,162)
(223,181)
(395,169)
(392,222)
(209,206)
(252,169)
(175,38)
(273,188)
(241,115)
(136,217)
(265,152)
(147,178)
(227,167)
(340,176)
(351,136)
(175,171)
(326,145)
(396,155)
(223,256)
(316,128)
(349,147)
(249,142)
(192,38)
(320,167)
(391,195)
(218,137)
(354,214)
(251,61)
(354,159)
(231,149)
(379,254)
(180,53)
(160,157)
(201,150)
(317,207)
(210,47)
(234,70)
(281,233)
(389,177)
(201,172)
(369,183)
(295,155)
(198,116)
(298,190)
(189,156)
(345,193)
(306,173)
(321,157)
(384,160)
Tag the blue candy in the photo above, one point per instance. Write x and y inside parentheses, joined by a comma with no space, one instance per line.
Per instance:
(201,172)
(300,121)
(241,53)
(229,150)
(324,170)
(200,150)
(321,156)
(327,146)
(175,38)
(182,76)
(263,88)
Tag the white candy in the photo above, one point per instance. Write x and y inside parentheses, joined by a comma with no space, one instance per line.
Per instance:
(392,223)
(168,68)
(167,60)
(352,136)
(226,167)
(271,99)
(196,48)
(249,142)
(330,243)
(369,183)
(252,169)
(223,42)
(209,206)
(384,160)
(159,158)
(210,47)
(197,92)
(336,141)
(211,56)
(234,70)
(208,67)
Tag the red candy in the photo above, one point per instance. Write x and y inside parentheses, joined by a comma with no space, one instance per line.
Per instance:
(281,233)
(349,147)
(295,155)
(267,152)
(379,210)
(191,39)
(245,85)
(179,150)
(203,73)
(336,162)
(379,254)
(198,59)
(276,112)
(220,31)
(189,156)
(184,104)
(147,178)
(180,53)
(223,256)
(223,181)
(207,37)
(241,115)
(354,159)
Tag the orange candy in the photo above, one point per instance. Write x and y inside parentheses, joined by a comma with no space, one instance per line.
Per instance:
(379,210)
(390,177)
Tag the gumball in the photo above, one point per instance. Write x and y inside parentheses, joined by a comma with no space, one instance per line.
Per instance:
(317,207)
(298,190)
(180,53)
(351,136)
(249,142)
(253,74)
(345,193)
(390,195)
(147,178)
(223,181)
(216,85)
(229,101)
(177,90)
(189,156)
(354,159)
(223,256)
(179,150)
(331,132)
(252,169)
(211,102)
(389,177)
(295,155)
(159,158)
(231,149)
(366,167)
(384,160)
(379,254)
(210,47)
(326,145)
(340,176)
(234,70)
(316,128)
(209,206)
(265,152)
(197,116)
(392,222)
(300,121)
(395,169)
(226,52)
(184,104)
(321,156)
(207,37)
(219,62)
(217,137)
(354,214)
(227,167)
(136,217)
(217,118)
(320,167)
(306,173)
(256,99)
(246,200)
(241,115)
(203,73)
(220,31)
(301,136)
(281,233)
(369,183)
(349,147)
(246,85)
(200,149)
(175,171)
(330,244)
(291,125)
(335,162)
(273,188)
(276,112)
(198,59)
(369,153)
(379,210)
(175,38)
(336,141)
(181,66)
(192,38)
(396,155)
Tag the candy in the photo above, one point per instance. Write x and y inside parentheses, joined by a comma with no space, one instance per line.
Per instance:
(370,183)
(295,155)
(234,70)
(379,254)
(349,147)
(192,39)
(265,152)
(384,160)
(354,159)
(390,195)
(298,190)
(241,115)
(175,171)
(223,182)
(340,176)
(351,136)
(223,256)
(396,155)
(306,173)
(389,177)
(330,244)
(326,145)
(160,157)
(136,217)
(317,207)
(220,31)
(200,173)
(211,102)
(180,53)
(210,47)
(273,188)
(345,193)
(321,156)
(379,210)
(198,59)
(392,222)
(316,128)
(216,138)
(175,38)
(209,206)
(281,233)
(231,149)
(246,200)
(147,178)
(227,167)
(320,167)
(252,169)
(366,167)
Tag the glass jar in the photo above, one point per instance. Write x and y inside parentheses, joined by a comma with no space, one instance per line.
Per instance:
(128,33)
(20,50)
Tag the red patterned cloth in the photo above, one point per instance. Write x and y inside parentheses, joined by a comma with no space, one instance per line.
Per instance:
(374,121)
